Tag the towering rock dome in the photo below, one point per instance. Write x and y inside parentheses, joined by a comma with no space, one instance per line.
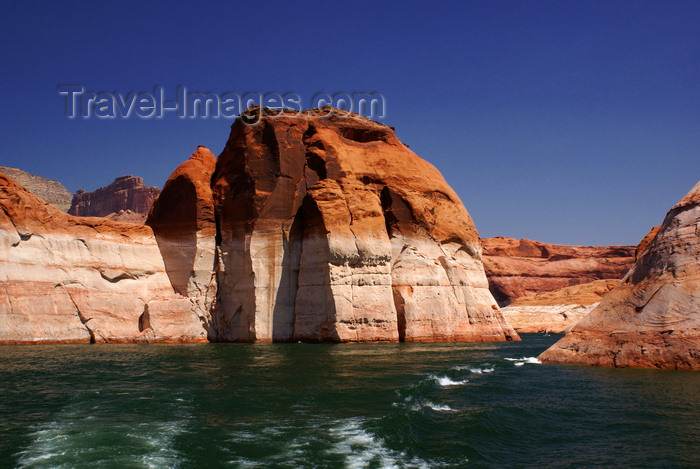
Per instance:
(652,318)
(331,229)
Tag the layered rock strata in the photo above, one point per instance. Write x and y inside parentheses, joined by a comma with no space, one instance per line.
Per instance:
(652,318)
(518,268)
(47,190)
(558,310)
(332,230)
(68,279)
(126,193)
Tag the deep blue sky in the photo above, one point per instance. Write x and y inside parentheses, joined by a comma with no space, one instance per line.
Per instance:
(561,121)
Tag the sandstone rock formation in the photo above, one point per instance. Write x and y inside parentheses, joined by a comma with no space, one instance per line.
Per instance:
(332,230)
(556,311)
(126,193)
(652,318)
(306,228)
(69,279)
(518,268)
(48,190)
(183,221)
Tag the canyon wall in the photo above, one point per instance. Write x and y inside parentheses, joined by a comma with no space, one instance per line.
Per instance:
(314,227)
(652,318)
(518,268)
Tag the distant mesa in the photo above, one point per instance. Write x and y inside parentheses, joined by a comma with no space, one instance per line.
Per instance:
(48,190)
(652,318)
(125,199)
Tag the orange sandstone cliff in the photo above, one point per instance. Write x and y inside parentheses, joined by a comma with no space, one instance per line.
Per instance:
(332,230)
(183,222)
(652,318)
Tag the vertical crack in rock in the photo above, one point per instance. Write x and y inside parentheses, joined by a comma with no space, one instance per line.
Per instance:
(83,320)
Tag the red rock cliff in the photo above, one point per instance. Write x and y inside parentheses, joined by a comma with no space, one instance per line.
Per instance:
(518,268)
(305,228)
(183,221)
(126,193)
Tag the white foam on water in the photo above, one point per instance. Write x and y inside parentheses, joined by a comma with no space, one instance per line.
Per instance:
(159,436)
(479,371)
(359,447)
(70,440)
(423,404)
(530,360)
(447,381)
(362,449)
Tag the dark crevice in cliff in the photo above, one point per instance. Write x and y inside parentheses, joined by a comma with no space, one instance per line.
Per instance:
(145,319)
(22,237)
(317,164)
(389,218)
(391,222)
(363,134)
(269,139)
(315,310)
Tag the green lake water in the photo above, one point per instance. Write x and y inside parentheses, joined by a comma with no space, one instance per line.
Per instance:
(338,405)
